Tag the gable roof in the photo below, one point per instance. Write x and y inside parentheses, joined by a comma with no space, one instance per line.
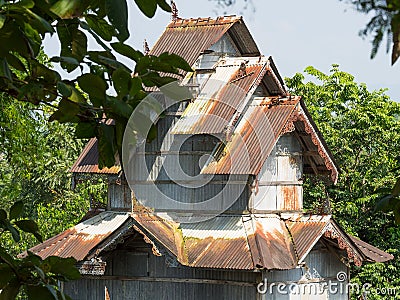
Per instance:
(190,37)
(245,242)
(226,93)
(87,161)
(79,240)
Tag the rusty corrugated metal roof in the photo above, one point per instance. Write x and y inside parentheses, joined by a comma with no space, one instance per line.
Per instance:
(306,231)
(87,161)
(225,94)
(372,253)
(79,240)
(270,243)
(189,37)
(253,138)
(225,242)
(244,242)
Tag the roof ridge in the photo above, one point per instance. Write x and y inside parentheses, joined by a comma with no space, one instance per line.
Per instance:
(204,21)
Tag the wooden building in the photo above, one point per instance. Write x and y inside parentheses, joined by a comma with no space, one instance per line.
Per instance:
(241,142)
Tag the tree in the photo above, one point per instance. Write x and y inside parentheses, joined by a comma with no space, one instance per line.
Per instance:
(362,129)
(385,22)
(85,100)
(38,278)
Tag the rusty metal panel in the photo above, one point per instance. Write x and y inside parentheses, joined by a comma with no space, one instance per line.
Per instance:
(217,243)
(119,194)
(224,94)
(288,197)
(372,253)
(79,240)
(270,243)
(189,37)
(87,161)
(306,231)
(254,137)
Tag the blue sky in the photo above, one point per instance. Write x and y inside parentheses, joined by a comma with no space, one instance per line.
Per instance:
(296,33)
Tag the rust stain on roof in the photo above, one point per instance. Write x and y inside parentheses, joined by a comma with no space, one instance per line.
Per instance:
(87,161)
(245,242)
(306,231)
(79,240)
(189,37)
(253,138)
(372,253)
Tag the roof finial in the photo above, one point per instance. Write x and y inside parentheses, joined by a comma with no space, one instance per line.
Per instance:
(174,11)
(146,49)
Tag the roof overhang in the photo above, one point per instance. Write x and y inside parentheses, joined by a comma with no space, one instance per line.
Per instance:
(248,242)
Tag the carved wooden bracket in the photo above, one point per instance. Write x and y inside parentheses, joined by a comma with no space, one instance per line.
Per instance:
(332,233)
(299,116)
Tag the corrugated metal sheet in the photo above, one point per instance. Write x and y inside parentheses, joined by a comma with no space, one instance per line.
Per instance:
(189,37)
(306,231)
(87,161)
(225,242)
(79,240)
(245,242)
(372,253)
(254,137)
(224,93)
(270,243)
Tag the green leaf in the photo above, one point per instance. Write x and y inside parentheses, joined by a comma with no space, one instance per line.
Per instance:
(86,26)
(7,258)
(122,82)
(64,89)
(85,130)
(164,5)
(11,290)
(95,86)
(152,134)
(38,22)
(396,188)
(106,146)
(6,274)
(15,62)
(63,266)
(64,59)
(101,27)
(2,20)
(67,9)
(176,61)
(136,86)
(16,210)
(73,42)
(148,7)
(29,226)
(3,214)
(117,12)
(127,51)
(26,3)
(67,111)
(119,108)
(14,232)
(39,292)
(112,63)
(4,69)
(40,70)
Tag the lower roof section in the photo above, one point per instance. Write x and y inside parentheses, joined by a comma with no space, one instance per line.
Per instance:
(242,242)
